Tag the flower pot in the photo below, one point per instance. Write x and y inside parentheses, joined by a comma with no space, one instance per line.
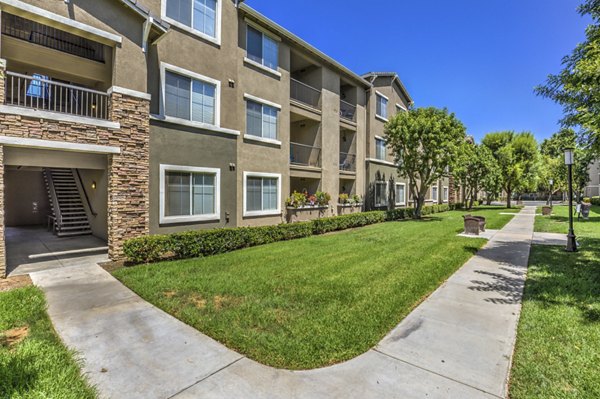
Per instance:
(546,210)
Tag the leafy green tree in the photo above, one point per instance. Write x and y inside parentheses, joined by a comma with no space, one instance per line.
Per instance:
(425,142)
(577,86)
(517,157)
(552,151)
(476,168)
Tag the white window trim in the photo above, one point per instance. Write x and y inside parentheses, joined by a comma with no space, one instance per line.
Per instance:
(193,75)
(445,188)
(379,182)
(434,199)
(262,213)
(262,101)
(218,17)
(379,138)
(192,218)
(381,162)
(382,95)
(402,107)
(270,104)
(403,202)
(262,139)
(265,32)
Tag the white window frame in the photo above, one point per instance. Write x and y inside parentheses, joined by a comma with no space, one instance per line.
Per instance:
(271,36)
(401,108)
(445,194)
(403,202)
(434,199)
(218,18)
(378,94)
(273,212)
(379,138)
(270,104)
(164,67)
(191,218)
(385,193)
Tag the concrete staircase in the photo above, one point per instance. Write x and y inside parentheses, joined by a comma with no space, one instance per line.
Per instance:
(69,215)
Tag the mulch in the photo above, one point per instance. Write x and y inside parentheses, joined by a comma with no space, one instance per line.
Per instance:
(10,283)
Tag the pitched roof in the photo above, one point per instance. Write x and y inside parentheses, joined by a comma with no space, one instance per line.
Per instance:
(371,76)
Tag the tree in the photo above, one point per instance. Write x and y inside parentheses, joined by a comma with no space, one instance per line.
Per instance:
(476,168)
(552,151)
(517,158)
(577,86)
(425,142)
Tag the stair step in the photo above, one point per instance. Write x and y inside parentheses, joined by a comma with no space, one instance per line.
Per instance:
(71,228)
(74,233)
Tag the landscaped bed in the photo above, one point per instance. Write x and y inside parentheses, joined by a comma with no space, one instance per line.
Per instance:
(33,361)
(314,301)
(558,344)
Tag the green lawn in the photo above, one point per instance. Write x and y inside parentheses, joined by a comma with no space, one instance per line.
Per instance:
(38,366)
(558,343)
(315,301)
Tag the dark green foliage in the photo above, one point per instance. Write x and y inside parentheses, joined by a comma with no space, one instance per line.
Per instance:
(195,244)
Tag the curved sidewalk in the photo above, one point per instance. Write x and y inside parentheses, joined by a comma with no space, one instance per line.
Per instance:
(457,344)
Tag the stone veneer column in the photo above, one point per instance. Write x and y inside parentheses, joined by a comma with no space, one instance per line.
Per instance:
(2,238)
(129,171)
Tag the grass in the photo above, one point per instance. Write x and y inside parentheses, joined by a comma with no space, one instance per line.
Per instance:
(33,361)
(316,301)
(558,343)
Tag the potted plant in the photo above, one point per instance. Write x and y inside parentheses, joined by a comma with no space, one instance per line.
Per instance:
(585,208)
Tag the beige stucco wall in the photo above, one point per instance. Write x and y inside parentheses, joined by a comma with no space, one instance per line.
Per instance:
(98,199)
(26,199)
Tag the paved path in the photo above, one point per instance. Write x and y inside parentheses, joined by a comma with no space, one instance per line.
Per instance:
(456,344)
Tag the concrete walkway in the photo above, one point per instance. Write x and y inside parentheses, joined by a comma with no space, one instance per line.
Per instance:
(457,344)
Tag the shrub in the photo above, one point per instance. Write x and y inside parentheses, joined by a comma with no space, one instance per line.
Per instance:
(344,198)
(296,200)
(322,198)
(595,201)
(195,244)
(587,200)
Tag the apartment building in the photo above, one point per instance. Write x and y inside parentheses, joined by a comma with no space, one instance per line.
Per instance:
(593,187)
(121,118)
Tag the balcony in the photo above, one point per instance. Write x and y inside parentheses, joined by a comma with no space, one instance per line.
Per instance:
(305,155)
(347,111)
(347,162)
(305,94)
(41,93)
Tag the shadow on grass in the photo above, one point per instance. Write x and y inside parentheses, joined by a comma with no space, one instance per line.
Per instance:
(17,376)
(559,278)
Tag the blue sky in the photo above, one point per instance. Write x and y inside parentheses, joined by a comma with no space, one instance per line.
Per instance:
(479,58)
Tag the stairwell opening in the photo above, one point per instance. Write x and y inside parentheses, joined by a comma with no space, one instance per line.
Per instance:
(55,214)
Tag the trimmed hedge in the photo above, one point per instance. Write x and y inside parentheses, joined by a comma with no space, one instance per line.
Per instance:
(195,244)
(595,201)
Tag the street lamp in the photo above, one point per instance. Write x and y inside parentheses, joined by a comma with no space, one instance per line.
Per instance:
(551,187)
(569,160)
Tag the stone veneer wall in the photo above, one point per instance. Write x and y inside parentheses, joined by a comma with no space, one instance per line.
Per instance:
(128,172)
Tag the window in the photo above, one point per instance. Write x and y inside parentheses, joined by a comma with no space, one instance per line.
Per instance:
(262,49)
(189,96)
(434,193)
(198,15)
(262,194)
(382,103)
(261,120)
(189,194)
(445,195)
(400,108)
(380,149)
(380,193)
(400,194)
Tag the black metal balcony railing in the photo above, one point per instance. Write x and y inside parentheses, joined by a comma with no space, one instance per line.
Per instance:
(47,36)
(305,155)
(305,94)
(347,111)
(347,162)
(41,93)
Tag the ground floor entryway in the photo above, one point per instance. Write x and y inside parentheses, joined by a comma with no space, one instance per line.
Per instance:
(33,248)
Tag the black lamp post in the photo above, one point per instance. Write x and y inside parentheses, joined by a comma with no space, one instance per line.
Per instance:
(551,187)
(571,243)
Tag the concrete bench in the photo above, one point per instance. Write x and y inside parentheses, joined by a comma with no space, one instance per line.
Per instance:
(474,224)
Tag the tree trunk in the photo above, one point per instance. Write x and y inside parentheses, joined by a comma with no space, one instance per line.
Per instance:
(508,198)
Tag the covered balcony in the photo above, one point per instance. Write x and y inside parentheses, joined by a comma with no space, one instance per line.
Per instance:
(347,151)
(348,101)
(306,82)
(42,93)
